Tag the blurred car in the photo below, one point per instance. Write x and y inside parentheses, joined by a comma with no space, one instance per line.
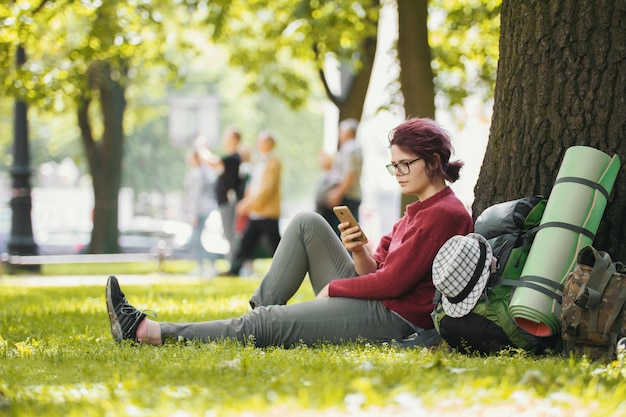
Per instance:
(61,241)
(5,228)
(145,234)
(49,242)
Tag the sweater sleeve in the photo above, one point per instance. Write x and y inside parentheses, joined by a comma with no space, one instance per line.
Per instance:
(405,261)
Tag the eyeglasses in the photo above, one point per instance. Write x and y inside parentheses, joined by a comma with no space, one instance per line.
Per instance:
(401,168)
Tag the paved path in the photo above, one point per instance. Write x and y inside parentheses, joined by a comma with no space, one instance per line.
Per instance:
(77,280)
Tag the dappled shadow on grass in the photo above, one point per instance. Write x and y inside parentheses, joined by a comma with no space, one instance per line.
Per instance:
(228,378)
(57,357)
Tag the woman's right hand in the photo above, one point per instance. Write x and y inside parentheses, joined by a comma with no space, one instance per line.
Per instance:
(364,263)
(349,237)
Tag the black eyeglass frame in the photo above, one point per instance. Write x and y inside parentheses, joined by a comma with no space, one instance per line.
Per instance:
(394,167)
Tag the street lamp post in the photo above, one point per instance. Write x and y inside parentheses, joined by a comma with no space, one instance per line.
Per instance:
(21,240)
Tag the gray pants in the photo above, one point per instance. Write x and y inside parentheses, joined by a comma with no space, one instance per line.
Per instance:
(309,245)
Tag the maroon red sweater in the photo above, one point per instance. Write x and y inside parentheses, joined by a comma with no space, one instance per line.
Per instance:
(405,256)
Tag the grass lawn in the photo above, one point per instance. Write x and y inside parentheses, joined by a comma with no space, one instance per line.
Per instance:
(57,358)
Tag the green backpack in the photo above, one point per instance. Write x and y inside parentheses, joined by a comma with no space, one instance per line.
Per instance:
(510,229)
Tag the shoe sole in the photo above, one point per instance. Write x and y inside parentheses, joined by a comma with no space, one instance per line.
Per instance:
(116,328)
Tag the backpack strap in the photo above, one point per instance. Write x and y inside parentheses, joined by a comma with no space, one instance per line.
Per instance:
(571,227)
(595,298)
(613,326)
(586,182)
(437,297)
(600,262)
(590,293)
(528,282)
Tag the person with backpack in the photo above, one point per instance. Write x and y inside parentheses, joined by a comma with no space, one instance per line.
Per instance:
(379,297)
(341,183)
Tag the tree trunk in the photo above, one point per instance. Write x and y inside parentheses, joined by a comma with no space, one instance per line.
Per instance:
(416,75)
(561,82)
(104,156)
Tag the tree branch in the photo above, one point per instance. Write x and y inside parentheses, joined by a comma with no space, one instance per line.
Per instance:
(84,124)
(329,94)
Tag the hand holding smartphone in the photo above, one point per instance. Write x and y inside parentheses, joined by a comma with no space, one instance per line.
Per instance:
(344,214)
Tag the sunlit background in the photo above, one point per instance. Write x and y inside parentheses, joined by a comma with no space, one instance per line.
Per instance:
(151,206)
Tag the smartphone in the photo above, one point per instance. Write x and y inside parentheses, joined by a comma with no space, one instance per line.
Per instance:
(344,214)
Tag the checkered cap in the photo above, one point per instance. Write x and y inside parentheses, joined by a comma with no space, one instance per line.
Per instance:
(460,272)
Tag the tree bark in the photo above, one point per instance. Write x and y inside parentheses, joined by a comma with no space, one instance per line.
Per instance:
(561,82)
(104,156)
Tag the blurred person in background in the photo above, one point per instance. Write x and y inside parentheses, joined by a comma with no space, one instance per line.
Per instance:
(200,198)
(342,181)
(260,204)
(245,170)
(326,182)
(228,188)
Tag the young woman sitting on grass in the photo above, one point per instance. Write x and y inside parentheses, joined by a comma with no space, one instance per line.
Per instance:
(377,297)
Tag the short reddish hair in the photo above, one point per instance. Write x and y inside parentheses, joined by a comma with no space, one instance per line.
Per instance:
(424,138)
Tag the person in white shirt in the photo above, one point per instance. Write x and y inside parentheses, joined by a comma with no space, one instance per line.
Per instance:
(345,173)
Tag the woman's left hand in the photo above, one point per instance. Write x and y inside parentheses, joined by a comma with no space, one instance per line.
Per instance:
(323,292)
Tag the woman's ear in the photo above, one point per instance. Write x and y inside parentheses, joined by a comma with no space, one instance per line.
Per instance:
(436,166)
(438,158)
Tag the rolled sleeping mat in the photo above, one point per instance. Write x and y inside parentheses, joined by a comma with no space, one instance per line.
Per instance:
(569,223)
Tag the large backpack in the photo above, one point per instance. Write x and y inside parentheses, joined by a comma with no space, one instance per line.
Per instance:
(593,315)
(510,229)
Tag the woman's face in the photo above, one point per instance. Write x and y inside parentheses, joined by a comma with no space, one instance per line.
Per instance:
(416,181)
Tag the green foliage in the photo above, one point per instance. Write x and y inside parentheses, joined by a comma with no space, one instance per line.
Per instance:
(268,38)
(6,127)
(57,357)
(151,163)
(273,40)
(463,36)
(62,39)
(278,46)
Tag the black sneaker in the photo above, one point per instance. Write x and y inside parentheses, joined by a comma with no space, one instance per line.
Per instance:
(124,317)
